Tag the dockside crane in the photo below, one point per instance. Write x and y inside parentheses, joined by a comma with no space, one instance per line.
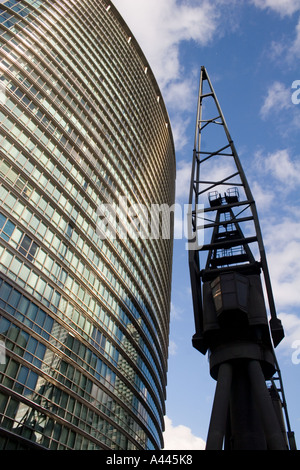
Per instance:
(235,315)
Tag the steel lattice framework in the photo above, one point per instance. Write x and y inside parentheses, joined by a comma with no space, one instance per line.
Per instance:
(230,311)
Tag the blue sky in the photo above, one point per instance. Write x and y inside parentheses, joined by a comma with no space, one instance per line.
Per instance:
(251,50)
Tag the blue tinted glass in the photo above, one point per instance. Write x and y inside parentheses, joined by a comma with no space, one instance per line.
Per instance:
(10,23)
(69,230)
(2,220)
(14,298)
(9,228)
(31,345)
(32,311)
(4,16)
(40,350)
(25,244)
(5,290)
(32,251)
(23,339)
(11,3)
(27,377)
(40,318)
(48,324)
(56,298)
(4,236)
(23,305)
(22,376)
(4,325)
(24,12)
(32,380)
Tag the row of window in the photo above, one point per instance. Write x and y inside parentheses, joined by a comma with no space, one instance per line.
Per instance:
(51,433)
(56,45)
(85,357)
(128,60)
(60,199)
(16,130)
(111,167)
(41,101)
(15,271)
(25,381)
(25,311)
(112,80)
(165,170)
(23,344)
(48,237)
(35,352)
(80,323)
(57,273)
(46,291)
(54,191)
(87,38)
(23,242)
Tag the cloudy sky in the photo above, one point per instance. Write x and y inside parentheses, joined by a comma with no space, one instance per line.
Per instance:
(251,49)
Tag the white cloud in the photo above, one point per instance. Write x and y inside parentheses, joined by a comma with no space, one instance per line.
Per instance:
(181,94)
(281,166)
(181,438)
(264,198)
(282,242)
(291,325)
(182,189)
(294,50)
(287,51)
(283,7)
(276,50)
(278,98)
(216,170)
(175,311)
(172,348)
(160,26)
(183,178)
(281,232)
(179,127)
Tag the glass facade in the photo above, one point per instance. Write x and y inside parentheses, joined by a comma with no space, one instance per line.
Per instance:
(84,318)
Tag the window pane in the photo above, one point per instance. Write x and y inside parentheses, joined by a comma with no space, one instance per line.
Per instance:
(2,220)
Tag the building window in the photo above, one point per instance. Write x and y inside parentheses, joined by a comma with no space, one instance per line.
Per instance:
(28,247)
(69,231)
(7,228)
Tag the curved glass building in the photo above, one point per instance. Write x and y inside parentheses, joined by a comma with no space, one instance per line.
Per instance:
(85,148)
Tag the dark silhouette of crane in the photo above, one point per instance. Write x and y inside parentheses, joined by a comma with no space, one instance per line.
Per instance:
(227,260)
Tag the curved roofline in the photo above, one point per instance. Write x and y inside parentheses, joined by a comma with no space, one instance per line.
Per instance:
(146,63)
